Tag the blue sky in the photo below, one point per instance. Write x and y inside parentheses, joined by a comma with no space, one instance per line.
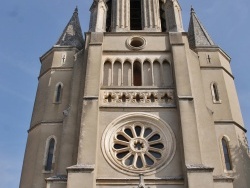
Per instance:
(29,28)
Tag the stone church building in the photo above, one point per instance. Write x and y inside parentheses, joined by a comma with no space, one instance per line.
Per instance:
(136,103)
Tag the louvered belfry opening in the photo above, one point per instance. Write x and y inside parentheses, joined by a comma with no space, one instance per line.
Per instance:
(135,15)
(109,13)
(162,17)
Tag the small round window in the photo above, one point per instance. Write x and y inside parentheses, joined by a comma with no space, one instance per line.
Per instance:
(138,144)
(136,43)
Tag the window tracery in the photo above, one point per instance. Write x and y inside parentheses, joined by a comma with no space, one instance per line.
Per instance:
(138,143)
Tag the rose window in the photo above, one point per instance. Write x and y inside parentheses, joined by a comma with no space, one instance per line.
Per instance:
(139,146)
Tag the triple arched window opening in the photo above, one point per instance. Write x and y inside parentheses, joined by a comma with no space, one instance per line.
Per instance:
(136,15)
(137,73)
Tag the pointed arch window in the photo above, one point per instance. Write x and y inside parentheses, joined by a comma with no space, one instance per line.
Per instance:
(127,74)
(167,73)
(117,73)
(58,93)
(137,74)
(50,155)
(147,74)
(135,15)
(226,153)
(215,93)
(107,73)
(157,74)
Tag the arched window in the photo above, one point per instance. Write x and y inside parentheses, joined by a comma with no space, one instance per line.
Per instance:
(147,74)
(50,155)
(117,74)
(137,74)
(157,73)
(58,93)
(107,74)
(215,93)
(167,74)
(127,74)
(135,15)
(226,154)
(109,15)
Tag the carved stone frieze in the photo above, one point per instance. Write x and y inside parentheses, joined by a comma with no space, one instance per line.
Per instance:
(137,98)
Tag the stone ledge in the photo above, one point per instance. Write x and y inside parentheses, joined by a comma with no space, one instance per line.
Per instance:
(223,178)
(199,168)
(178,180)
(58,178)
(81,168)
(185,98)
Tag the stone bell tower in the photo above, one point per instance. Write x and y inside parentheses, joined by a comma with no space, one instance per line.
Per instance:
(138,103)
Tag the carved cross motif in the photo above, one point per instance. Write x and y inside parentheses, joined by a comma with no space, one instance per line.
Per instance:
(167,97)
(137,97)
(124,97)
(108,97)
(151,97)
(63,58)
(209,59)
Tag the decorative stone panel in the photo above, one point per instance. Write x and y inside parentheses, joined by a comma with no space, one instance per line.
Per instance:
(137,98)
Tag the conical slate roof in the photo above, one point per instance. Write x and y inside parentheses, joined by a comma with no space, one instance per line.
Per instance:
(197,34)
(72,34)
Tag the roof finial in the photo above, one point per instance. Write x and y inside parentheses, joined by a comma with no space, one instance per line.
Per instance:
(192,9)
(76,9)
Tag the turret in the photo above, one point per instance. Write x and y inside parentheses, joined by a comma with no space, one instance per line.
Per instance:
(52,115)
(197,34)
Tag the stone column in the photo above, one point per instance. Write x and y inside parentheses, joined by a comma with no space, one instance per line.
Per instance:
(83,173)
(151,15)
(197,175)
(120,15)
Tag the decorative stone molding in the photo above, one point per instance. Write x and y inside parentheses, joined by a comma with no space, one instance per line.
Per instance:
(137,98)
(136,43)
(138,143)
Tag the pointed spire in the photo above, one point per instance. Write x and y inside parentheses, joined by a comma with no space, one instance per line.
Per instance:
(72,34)
(197,34)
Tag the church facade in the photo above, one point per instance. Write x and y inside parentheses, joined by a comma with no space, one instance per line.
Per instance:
(136,103)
